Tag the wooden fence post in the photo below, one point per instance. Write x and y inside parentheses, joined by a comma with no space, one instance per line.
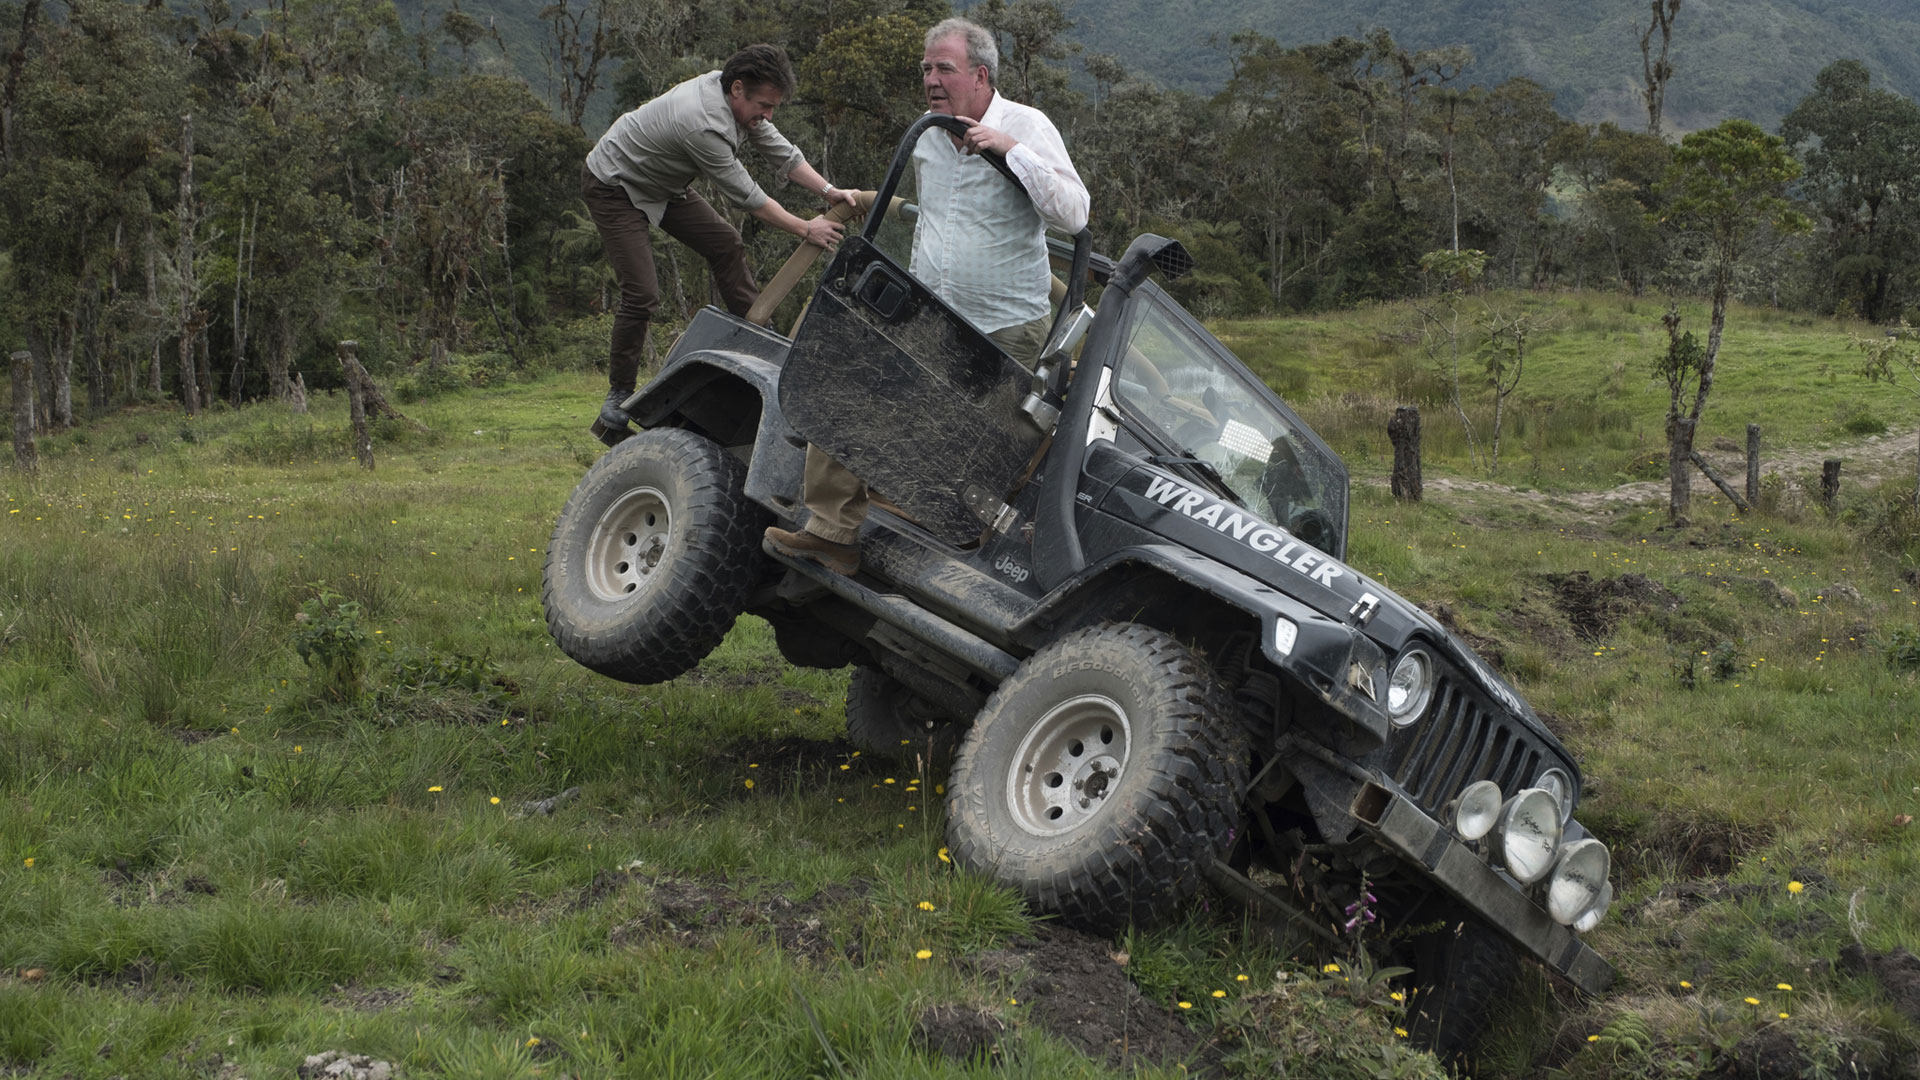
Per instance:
(1753,464)
(1404,432)
(1830,482)
(26,457)
(357,402)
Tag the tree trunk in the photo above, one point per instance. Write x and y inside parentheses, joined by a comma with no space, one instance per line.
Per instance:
(1679,458)
(155,385)
(204,353)
(26,457)
(1753,464)
(279,354)
(1830,482)
(297,394)
(1404,432)
(188,322)
(60,367)
(357,386)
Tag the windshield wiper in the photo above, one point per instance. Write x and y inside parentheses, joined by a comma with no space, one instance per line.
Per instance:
(1204,468)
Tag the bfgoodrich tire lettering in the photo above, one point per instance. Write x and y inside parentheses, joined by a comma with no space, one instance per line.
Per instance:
(652,557)
(1101,778)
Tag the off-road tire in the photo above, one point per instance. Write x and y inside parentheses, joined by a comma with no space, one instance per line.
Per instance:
(1461,972)
(1116,696)
(653,557)
(887,719)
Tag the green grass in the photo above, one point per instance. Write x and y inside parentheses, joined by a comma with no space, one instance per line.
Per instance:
(226,861)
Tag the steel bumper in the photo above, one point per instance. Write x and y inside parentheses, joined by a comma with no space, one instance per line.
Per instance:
(1410,833)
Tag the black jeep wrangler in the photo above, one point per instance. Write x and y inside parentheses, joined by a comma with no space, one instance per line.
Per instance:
(1114,588)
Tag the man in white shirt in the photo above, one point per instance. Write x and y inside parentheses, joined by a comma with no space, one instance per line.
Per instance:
(639,175)
(980,246)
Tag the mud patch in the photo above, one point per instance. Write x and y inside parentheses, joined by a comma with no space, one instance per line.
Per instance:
(1771,1054)
(1488,648)
(1687,847)
(1898,972)
(1595,607)
(1073,988)
(960,1033)
(779,765)
(695,912)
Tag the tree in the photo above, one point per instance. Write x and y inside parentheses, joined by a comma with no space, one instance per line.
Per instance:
(1726,188)
(1861,146)
(1658,70)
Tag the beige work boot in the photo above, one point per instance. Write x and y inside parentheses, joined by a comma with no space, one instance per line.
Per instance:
(842,559)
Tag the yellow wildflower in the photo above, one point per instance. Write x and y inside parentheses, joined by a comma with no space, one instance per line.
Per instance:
(749,785)
(436,787)
(1593,1038)
(923,954)
(1330,969)
(1185,1004)
(1239,978)
(1219,993)
(495,800)
(1795,887)
(1400,1031)
(926,905)
(1783,986)
(1753,1001)
(944,857)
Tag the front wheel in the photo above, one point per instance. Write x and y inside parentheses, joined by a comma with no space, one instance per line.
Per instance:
(653,556)
(1102,778)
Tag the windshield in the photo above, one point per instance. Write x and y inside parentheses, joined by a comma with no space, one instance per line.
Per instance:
(1181,383)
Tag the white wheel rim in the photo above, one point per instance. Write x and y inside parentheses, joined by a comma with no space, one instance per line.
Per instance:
(628,544)
(1068,766)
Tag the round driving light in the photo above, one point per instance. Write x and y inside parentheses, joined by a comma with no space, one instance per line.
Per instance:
(1560,786)
(1476,810)
(1409,687)
(1592,916)
(1527,834)
(1579,874)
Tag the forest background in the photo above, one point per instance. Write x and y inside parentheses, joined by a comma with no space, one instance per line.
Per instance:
(198,200)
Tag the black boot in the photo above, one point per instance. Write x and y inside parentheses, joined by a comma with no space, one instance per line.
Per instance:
(611,425)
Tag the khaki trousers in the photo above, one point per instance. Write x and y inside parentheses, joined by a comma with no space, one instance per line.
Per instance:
(838,499)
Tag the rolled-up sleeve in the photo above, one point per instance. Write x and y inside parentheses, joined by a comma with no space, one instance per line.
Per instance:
(1040,161)
(717,161)
(774,147)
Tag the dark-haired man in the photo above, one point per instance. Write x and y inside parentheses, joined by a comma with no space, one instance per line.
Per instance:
(639,172)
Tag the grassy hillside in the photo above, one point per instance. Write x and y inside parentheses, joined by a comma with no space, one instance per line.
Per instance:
(481,860)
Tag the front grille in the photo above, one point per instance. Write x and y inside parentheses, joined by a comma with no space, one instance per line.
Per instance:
(1464,738)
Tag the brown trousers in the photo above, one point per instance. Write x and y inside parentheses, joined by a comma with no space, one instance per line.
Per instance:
(625,237)
(838,498)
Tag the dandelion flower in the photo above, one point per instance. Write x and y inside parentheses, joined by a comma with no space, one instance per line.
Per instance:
(1185,1004)
(495,800)
(1397,996)
(436,787)
(749,785)
(1783,986)
(1239,978)
(1400,1031)
(844,768)
(29,862)
(1783,1016)
(944,857)
(1753,1001)
(1685,985)
(1219,993)
(923,954)
(926,905)
(1593,1038)
(533,1042)
(889,780)
(1330,969)
(296,749)
(1795,887)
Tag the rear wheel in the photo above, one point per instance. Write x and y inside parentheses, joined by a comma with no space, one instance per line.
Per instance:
(652,557)
(1102,778)
(887,719)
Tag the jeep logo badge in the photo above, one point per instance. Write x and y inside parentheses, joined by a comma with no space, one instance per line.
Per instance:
(1013,570)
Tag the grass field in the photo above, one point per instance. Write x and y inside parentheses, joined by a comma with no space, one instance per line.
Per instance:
(216,858)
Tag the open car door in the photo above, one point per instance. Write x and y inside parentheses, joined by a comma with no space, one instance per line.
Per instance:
(898,387)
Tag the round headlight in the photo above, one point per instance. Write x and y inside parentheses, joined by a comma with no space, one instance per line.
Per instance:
(1409,687)
(1591,917)
(1527,834)
(1475,811)
(1558,784)
(1579,875)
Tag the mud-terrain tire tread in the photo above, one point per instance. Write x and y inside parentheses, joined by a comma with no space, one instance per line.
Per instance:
(882,713)
(712,563)
(1461,972)
(1179,797)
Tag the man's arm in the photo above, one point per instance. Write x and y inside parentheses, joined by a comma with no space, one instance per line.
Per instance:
(717,161)
(1034,151)
(819,231)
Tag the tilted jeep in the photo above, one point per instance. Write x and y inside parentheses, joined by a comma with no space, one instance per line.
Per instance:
(1114,589)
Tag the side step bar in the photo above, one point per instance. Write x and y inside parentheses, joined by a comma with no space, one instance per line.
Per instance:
(969,649)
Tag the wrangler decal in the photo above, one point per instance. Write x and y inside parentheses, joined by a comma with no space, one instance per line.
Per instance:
(1266,539)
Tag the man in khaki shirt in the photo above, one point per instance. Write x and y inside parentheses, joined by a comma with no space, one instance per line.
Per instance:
(638,175)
